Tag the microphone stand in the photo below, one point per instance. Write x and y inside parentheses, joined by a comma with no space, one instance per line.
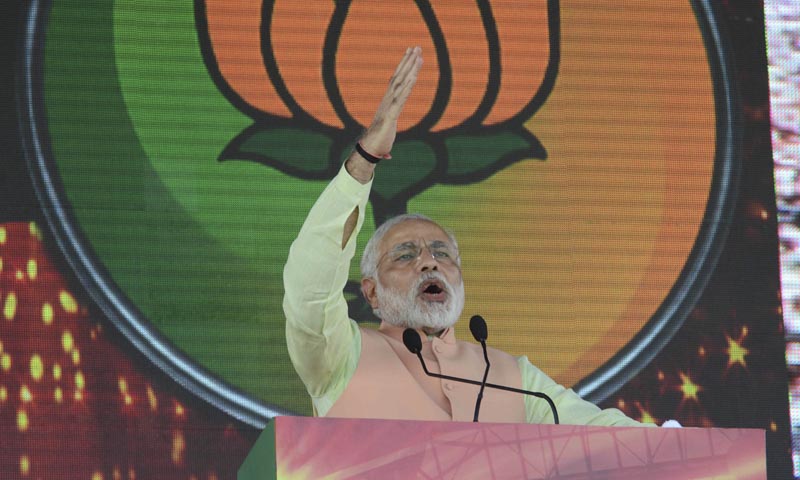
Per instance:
(490,385)
(477,325)
(483,383)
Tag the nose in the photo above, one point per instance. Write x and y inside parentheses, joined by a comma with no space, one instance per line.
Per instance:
(426,261)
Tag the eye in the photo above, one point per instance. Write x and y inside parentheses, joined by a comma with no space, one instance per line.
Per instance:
(440,254)
(405,257)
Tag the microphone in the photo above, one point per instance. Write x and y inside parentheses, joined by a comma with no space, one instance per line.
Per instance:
(412,341)
(477,325)
(414,345)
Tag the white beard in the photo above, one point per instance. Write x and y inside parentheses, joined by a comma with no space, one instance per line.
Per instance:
(411,311)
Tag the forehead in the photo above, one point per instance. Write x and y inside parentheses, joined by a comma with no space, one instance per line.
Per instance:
(413,231)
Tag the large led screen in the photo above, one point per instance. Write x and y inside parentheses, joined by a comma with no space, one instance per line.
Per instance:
(605,166)
(587,173)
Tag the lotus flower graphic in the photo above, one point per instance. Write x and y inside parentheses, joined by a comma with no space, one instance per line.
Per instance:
(311,86)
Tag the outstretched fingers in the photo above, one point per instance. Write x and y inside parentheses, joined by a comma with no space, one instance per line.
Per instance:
(410,79)
(380,136)
(409,65)
(405,80)
(400,65)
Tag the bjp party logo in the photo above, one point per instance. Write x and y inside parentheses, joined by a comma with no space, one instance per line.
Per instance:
(584,156)
(310,75)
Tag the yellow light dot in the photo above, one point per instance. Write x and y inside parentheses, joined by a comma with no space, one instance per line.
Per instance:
(47,313)
(80,382)
(3,235)
(68,303)
(122,384)
(10,306)
(128,399)
(3,394)
(24,465)
(178,409)
(22,421)
(97,476)
(689,388)
(19,275)
(647,418)
(5,361)
(178,446)
(736,352)
(56,371)
(1,264)
(34,230)
(151,398)
(36,367)
(773,427)
(67,342)
(76,357)
(1,347)
(58,395)
(32,269)
(25,394)
(78,396)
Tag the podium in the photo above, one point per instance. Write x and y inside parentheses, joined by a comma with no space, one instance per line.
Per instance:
(337,448)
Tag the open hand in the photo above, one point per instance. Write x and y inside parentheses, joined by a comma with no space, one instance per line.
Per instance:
(380,135)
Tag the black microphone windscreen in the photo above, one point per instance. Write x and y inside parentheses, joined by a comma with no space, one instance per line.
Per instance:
(412,341)
(477,325)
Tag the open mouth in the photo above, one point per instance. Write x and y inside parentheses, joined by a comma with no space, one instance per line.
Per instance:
(433,290)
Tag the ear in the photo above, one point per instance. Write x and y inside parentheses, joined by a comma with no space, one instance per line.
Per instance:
(369,290)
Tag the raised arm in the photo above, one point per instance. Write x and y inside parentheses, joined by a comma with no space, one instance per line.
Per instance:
(323,343)
(379,137)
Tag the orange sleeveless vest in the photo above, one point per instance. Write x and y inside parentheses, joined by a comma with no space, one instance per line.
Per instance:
(389,381)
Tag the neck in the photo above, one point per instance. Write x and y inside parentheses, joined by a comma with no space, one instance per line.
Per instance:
(432,331)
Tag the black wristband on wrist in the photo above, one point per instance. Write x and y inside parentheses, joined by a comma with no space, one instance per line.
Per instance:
(367,156)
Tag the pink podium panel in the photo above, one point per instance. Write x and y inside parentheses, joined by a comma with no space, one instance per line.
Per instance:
(316,448)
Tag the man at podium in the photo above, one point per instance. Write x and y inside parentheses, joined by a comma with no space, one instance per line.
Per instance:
(411,272)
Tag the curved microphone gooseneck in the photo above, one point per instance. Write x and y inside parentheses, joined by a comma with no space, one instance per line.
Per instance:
(477,325)
(413,343)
